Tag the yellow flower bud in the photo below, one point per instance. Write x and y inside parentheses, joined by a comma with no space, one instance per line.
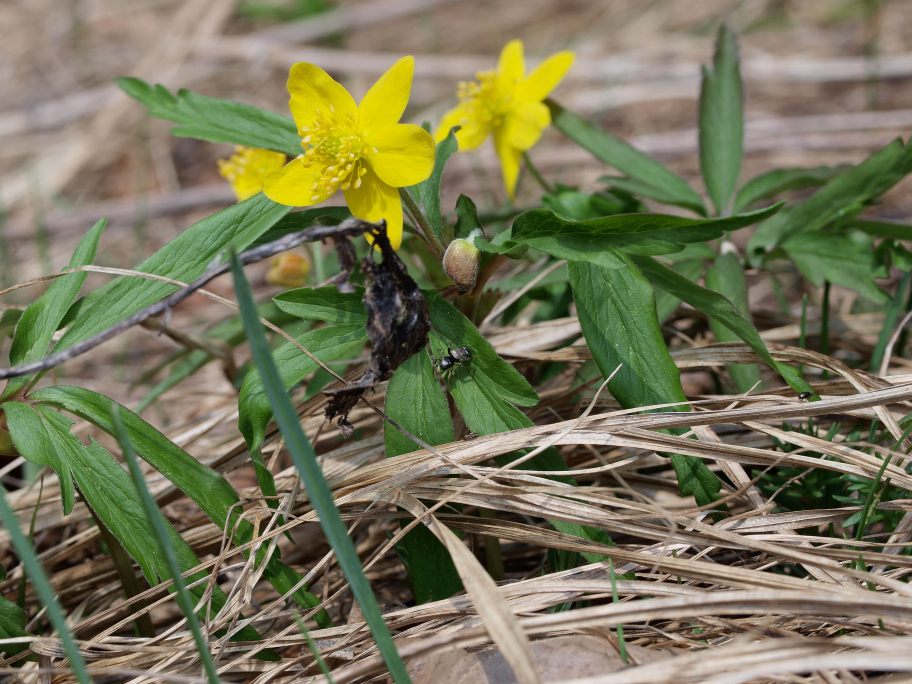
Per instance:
(288,269)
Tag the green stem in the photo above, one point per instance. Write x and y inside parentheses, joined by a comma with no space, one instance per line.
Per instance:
(536,174)
(493,553)
(421,223)
(128,581)
(825,324)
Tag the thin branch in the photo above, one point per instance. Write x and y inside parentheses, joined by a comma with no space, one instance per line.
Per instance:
(348,228)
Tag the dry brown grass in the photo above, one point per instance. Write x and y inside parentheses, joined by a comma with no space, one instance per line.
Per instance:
(758,596)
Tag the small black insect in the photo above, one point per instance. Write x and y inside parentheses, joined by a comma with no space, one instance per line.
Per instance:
(453,357)
(461,353)
(446,362)
(804,396)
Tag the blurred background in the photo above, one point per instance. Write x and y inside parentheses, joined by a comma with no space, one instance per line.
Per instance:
(826,82)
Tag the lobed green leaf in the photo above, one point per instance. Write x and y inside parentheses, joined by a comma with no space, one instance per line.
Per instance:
(655,181)
(616,309)
(107,489)
(323,304)
(40,320)
(726,275)
(772,183)
(427,193)
(722,121)
(185,258)
(327,344)
(838,259)
(844,195)
(215,120)
(601,241)
(415,401)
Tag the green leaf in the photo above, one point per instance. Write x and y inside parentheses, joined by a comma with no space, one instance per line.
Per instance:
(892,314)
(486,412)
(215,120)
(327,344)
(666,186)
(209,489)
(726,275)
(884,229)
(838,259)
(717,307)
(722,121)
(42,317)
(8,320)
(318,491)
(599,241)
(616,309)
(12,626)
(323,304)
(638,189)
(466,217)
(301,220)
(777,181)
(211,492)
(667,303)
(185,258)
(107,489)
(574,204)
(416,402)
(485,367)
(160,526)
(843,196)
(37,447)
(43,588)
(427,193)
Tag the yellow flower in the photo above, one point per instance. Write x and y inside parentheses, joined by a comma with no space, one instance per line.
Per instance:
(362,149)
(288,269)
(508,105)
(248,167)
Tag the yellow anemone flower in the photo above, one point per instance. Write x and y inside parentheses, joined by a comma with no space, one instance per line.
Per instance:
(507,105)
(361,149)
(248,167)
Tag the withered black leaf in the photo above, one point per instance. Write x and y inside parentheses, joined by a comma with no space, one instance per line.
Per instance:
(398,324)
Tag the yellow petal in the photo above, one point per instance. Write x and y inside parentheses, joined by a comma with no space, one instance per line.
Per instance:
(511,66)
(294,185)
(545,77)
(376,200)
(450,120)
(312,90)
(524,125)
(509,161)
(405,154)
(385,102)
(248,167)
(472,132)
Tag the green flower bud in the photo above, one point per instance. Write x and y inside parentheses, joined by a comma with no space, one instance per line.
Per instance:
(460,262)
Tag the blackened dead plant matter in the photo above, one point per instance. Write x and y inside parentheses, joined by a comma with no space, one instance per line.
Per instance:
(398,324)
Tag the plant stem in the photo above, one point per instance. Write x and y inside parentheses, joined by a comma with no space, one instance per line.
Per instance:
(533,170)
(421,223)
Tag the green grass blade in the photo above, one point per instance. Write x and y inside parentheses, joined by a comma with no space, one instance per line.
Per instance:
(305,460)
(43,588)
(161,535)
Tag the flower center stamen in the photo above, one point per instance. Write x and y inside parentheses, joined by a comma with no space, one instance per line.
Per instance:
(336,153)
(484,101)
